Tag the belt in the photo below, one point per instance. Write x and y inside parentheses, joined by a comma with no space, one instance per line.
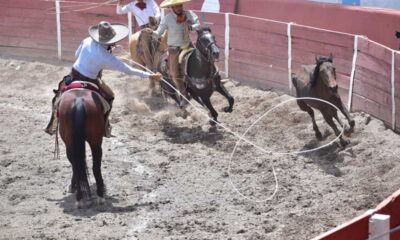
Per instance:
(78,76)
(145,26)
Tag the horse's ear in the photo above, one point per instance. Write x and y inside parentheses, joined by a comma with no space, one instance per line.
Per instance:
(199,31)
(207,28)
(330,58)
(316,59)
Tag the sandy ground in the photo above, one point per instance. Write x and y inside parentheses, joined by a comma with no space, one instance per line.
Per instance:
(167,177)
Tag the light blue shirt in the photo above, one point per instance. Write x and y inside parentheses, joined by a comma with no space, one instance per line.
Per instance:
(92,57)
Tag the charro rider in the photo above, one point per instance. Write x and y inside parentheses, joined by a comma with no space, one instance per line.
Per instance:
(93,55)
(145,11)
(178,23)
(148,15)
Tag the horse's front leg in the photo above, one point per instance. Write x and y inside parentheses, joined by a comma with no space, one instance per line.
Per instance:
(346,113)
(303,106)
(214,114)
(97,153)
(329,119)
(222,90)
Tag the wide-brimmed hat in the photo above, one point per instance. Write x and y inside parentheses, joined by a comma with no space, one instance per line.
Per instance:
(170,3)
(108,33)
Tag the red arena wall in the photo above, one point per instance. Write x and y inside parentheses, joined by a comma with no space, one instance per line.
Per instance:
(259,52)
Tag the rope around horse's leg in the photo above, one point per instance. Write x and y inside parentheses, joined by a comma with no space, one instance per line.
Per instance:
(242,138)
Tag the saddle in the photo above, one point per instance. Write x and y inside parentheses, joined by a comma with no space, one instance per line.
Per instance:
(183,61)
(77,84)
(80,84)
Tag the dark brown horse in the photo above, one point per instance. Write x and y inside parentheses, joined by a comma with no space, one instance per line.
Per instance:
(319,81)
(81,119)
(201,74)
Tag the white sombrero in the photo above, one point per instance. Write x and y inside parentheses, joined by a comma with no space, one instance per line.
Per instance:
(170,3)
(108,33)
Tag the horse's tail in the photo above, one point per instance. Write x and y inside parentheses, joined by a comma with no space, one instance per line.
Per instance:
(78,147)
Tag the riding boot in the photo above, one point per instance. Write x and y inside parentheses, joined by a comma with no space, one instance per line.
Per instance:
(52,125)
(107,125)
(184,94)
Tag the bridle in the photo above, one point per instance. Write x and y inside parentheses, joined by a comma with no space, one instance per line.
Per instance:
(206,48)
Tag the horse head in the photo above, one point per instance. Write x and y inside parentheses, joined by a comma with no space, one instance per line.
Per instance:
(154,22)
(325,71)
(207,44)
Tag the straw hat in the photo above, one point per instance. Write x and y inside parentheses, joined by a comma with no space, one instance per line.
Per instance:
(108,33)
(170,3)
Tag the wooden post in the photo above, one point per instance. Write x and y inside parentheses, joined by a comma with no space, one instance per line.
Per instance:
(289,35)
(227,32)
(379,227)
(353,72)
(130,24)
(58,19)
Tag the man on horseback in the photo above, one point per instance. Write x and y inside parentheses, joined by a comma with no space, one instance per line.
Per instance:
(93,55)
(147,12)
(178,23)
(143,46)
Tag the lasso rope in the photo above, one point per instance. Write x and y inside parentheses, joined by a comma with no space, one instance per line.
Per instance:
(52,10)
(242,138)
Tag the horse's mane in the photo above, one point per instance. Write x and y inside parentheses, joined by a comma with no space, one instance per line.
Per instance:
(203,29)
(319,62)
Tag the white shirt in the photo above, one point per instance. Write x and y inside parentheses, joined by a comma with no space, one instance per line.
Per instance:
(142,16)
(177,34)
(210,6)
(92,57)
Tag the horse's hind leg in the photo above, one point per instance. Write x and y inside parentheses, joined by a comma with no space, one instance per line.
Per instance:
(329,119)
(97,153)
(214,113)
(303,106)
(72,186)
(221,89)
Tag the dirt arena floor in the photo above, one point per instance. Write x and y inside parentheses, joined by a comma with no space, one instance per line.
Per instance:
(167,176)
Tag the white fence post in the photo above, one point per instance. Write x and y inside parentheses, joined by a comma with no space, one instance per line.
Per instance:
(393,92)
(353,72)
(130,24)
(227,32)
(379,227)
(58,19)
(289,35)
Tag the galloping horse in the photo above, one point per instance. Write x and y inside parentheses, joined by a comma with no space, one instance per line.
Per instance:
(81,119)
(150,49)
(200,72)
(319,81)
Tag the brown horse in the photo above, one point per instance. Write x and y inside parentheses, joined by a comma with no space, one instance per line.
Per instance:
(81,119)
(150,51)
(319,81)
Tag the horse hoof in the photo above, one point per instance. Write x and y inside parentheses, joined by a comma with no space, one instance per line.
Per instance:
(318,135)
(100,200)
(344,143)
(213,123)
(227,109)
(352,124)
(80,204)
